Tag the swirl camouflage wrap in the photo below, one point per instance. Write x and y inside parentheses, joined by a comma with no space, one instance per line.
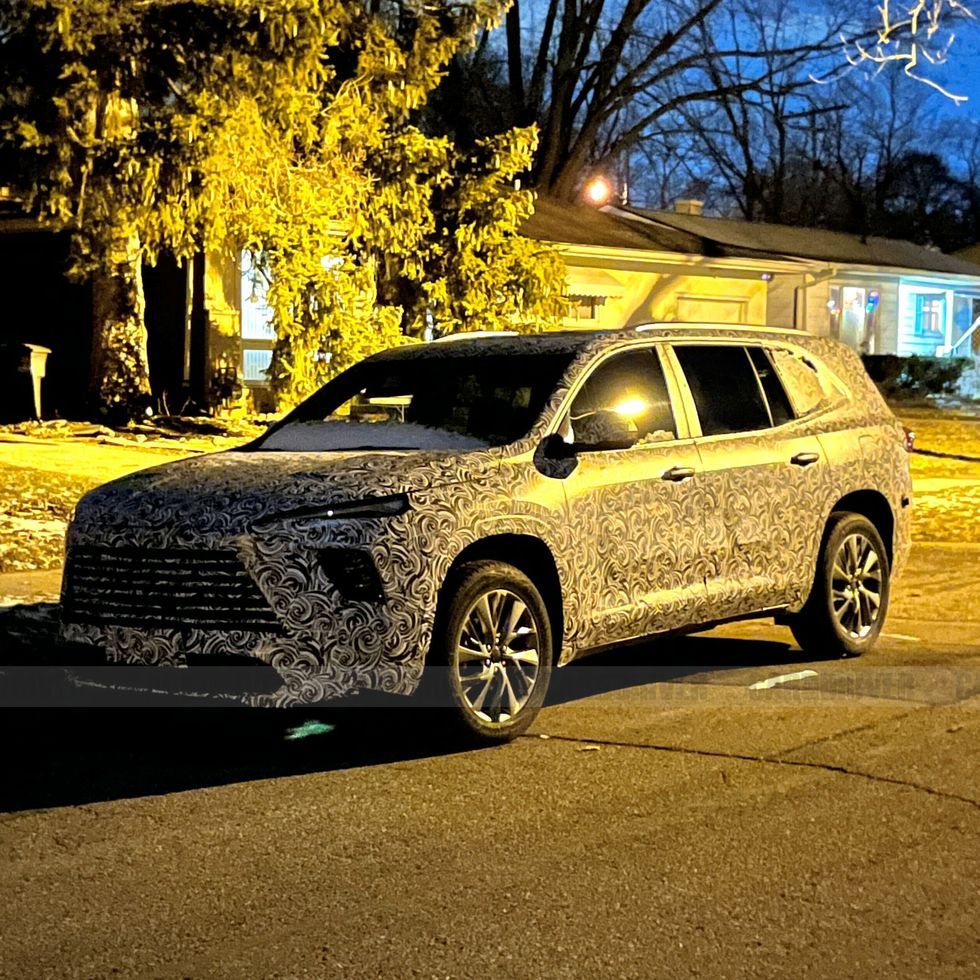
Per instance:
(328,566)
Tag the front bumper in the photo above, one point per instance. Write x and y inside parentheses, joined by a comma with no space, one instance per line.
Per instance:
(268,598)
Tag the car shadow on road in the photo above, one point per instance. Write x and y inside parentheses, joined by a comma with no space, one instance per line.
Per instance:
(665,660)
(74,746)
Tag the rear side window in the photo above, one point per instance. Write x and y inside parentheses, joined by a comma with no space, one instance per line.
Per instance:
(772,387)
(725,388)
(808,389)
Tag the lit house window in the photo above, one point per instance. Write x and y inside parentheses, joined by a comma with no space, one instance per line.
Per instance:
(966,311)
(930,314)
(585,307)
(258,335)
(834,309)
(255,365)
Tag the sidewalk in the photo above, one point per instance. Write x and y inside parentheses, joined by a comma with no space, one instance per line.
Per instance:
(36,586)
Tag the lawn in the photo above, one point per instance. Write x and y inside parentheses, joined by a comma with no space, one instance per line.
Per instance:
(42,475)
(42,479)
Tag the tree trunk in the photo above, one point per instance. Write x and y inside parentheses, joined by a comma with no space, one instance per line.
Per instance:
(119,376)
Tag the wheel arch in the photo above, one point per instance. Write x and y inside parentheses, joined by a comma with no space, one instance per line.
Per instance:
(873,505)
(525,552)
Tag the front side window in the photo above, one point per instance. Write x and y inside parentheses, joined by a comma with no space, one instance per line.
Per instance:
(726,391)
(436,400)
(627,392)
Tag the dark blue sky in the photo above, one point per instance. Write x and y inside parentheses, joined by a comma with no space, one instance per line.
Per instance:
(963,69)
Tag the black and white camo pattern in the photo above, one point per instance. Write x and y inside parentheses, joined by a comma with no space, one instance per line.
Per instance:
(635,554)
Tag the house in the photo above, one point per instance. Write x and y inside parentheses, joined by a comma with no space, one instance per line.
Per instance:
(630,265)
(208,324)
(969,341)
(193,318)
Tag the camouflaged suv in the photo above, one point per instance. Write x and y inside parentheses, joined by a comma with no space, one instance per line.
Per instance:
(491,507)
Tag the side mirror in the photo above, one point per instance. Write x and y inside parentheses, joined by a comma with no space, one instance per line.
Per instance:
(603,431)
(555,458)
(554,447)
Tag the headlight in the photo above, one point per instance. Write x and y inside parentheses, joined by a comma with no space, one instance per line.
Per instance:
(381,507)
(351,510)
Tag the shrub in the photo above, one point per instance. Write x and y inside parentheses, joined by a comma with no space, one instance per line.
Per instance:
(915,376)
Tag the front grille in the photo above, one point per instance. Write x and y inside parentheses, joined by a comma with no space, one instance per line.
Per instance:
(170,588)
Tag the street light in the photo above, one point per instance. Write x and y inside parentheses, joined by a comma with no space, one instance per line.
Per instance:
(598,191)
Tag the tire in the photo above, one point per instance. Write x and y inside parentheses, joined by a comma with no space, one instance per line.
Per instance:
(477,696)
(840,618)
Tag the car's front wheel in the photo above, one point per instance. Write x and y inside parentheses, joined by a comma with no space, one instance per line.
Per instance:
(847,606)
(492,652)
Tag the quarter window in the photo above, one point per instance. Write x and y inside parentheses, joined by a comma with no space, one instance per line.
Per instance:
(726,390)
(632,386)
(808,389)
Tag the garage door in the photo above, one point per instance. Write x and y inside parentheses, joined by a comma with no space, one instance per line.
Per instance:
(711,309)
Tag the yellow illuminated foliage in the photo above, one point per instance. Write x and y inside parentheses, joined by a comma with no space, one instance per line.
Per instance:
(285,127)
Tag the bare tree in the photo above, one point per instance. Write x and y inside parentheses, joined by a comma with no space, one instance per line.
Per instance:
(917,38)
(612,84)
(751,141)
(602,77)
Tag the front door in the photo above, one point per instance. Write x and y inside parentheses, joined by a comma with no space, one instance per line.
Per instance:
(635,515)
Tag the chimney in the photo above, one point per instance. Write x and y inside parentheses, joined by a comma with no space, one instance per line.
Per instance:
(689,205)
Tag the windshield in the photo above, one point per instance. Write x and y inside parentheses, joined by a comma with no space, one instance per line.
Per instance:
(451,401)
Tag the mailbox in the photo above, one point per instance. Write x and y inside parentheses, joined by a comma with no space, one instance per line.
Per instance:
(22,368)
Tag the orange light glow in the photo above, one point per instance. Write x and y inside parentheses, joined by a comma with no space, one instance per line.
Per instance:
(631,407)
(598,191)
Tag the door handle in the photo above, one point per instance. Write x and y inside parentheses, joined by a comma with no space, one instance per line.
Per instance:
(678,473)
(805,459)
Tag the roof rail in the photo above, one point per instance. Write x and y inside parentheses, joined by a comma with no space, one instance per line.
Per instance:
(474,335)
(681,325)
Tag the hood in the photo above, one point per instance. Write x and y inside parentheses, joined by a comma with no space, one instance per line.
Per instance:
(226,493)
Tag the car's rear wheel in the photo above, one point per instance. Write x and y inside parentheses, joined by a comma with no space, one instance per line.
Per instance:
(492,653)
(847,605)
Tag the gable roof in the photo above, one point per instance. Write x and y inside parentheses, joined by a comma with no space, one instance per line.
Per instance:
(582,224)
(808,243)
(668,231)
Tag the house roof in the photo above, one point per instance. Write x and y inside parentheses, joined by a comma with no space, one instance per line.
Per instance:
(582,224)
(809,243)
(970,254)
(667,231)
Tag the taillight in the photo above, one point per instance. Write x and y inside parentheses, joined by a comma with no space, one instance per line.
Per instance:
(909,438)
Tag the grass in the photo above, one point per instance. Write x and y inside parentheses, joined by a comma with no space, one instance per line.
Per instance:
(38,494)
(34,510)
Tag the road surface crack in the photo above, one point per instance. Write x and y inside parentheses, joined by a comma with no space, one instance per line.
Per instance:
(867,726)
(769,760)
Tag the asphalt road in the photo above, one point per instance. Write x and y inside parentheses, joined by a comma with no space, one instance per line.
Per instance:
(663,818)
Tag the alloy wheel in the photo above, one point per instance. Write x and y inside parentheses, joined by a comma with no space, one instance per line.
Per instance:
(856,585)
(497,656)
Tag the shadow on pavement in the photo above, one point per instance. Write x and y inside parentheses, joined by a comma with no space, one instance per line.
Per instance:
(103,745)
(662,661)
